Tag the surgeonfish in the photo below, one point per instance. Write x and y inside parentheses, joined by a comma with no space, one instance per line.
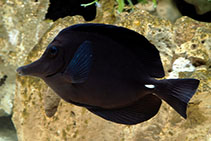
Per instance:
(112,71)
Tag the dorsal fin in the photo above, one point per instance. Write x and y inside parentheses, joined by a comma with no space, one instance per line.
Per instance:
(138,44)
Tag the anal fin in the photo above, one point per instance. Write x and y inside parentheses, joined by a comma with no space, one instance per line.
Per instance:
(140,111)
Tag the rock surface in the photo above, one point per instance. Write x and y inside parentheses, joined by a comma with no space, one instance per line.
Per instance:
(168,10)
(21,26)
(76,124)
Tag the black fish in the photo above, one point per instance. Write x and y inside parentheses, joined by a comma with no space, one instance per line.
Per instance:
(62,8)
(111,71)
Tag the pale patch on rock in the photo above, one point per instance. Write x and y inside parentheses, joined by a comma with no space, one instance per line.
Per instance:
(13,37)
(209,135)
(6,99)
(181,65)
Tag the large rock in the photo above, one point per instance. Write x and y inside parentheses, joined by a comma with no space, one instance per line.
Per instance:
(75,123)
(21,26)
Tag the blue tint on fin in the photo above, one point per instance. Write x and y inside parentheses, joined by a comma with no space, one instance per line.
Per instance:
(79,67)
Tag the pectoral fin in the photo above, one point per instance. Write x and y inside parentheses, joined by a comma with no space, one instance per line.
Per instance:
(78,69)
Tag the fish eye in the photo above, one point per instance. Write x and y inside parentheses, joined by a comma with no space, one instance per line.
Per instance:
(53,51)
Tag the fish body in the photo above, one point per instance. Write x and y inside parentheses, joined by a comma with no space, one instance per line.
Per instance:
(110,71)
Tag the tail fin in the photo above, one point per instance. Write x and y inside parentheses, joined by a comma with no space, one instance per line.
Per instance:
(177,93)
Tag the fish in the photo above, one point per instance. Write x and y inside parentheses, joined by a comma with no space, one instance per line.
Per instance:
(112,71)
(62,8)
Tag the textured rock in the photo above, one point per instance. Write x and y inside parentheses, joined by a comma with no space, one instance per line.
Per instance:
(105,12)
(21,26)
(185,29)
(51,102)
(7,90)
(165,9)
(75,123)
(168,10)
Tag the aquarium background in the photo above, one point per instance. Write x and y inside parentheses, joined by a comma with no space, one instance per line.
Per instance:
(30,110)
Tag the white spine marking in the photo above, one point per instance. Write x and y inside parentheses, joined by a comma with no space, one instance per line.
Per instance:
(150,86)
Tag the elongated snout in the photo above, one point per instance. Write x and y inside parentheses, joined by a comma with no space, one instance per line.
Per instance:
(33,69)
(30,69)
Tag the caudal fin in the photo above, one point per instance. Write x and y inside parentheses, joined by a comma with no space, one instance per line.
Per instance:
(177,93)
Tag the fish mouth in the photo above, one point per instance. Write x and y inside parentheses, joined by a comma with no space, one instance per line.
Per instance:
(20,71)
(31,69)
(25,70)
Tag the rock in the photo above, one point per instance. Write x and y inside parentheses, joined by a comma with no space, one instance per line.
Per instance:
(181,65)
(21,26)
(168,10)
(75,123)
(7,90)
(165,9)
(51,102)
(185,29)
(105,12)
